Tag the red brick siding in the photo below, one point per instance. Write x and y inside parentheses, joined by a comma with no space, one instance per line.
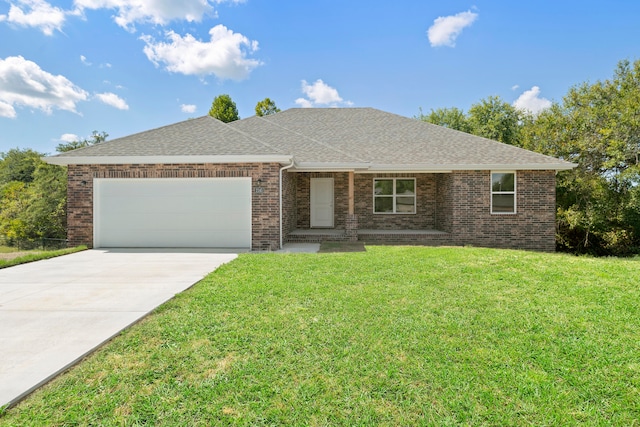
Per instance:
(423,219)
(289,201)
(532,227)
(444,202)
(265,206)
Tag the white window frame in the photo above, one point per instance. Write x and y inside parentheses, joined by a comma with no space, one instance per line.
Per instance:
(394,196)
(514,192)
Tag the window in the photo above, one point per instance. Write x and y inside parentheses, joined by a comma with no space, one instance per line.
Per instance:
(503,192)
(394,195)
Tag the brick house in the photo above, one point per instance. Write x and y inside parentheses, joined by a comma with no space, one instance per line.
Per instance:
(308,175)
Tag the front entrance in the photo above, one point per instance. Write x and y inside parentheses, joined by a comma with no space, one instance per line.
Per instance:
(321,202)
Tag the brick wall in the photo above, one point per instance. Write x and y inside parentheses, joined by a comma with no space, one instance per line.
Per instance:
(423,219)
(532,227)
(290,202)
(265,206)
(444,202)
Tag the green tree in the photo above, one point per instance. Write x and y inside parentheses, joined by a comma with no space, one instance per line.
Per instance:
(224,109)
(452,118)
(18,165)
(266,107)
(32,197)
(496,119)
(45,214)
(95,138)
(597,126)
(14,199)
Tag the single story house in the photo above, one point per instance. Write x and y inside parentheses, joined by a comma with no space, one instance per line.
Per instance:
(308,175)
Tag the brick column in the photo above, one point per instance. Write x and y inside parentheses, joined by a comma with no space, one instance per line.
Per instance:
(351,227)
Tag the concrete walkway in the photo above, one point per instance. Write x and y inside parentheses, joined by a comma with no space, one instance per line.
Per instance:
(54,312)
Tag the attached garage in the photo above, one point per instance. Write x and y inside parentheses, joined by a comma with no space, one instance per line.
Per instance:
(172,212)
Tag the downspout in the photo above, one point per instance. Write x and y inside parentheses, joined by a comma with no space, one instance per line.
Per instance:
(280,182)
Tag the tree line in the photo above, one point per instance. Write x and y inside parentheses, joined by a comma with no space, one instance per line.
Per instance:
(596,125)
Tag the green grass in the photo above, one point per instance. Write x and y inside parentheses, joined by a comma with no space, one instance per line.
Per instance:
(392,336)
(36,255)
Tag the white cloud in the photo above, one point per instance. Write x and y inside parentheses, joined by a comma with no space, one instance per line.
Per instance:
(69,137)
(531,101)
(188,108)
(7,110)
(225,55)
(446,29)
(83,59)
(24,83)
(36,13)
(320,93)
(515,87)
(159,12)
(304,103)
(113,100)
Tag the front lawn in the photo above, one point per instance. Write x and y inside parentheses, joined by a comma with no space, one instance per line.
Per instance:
(392,336)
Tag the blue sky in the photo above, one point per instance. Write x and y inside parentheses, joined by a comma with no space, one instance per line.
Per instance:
(70,67)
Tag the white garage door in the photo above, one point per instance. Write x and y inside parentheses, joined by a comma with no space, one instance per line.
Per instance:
(172,213)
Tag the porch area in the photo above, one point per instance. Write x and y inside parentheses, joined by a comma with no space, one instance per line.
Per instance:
(406,237)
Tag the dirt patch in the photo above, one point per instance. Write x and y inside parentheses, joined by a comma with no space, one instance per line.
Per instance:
(326,247)
(11,255)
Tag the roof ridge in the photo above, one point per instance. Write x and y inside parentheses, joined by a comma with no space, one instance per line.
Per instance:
(266,144)
(325,144)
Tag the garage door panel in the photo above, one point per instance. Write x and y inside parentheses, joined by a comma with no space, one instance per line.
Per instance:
(173,212)
(167,221)
(181,204)
(177,239)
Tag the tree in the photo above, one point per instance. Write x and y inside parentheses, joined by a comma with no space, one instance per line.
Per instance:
(495,119)
(46,214)
(452,118)
(597,126)
(266,107)
(18,165)
(95,138)
(224,109)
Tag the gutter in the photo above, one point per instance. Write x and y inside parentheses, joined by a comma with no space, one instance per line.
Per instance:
(280,184)
(165,159)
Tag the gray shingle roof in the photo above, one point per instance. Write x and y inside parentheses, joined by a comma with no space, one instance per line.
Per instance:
(320,138)
(203,136)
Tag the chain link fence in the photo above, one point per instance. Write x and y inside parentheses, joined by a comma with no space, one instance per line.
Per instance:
(45,243)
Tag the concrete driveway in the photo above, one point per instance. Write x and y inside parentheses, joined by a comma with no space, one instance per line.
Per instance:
(54,312)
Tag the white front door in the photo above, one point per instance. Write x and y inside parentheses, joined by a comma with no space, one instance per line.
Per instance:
(322,202)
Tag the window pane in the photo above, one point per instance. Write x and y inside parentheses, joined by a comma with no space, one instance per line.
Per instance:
(383,187)
(503,203)
(405,204)
(383,204)
(502,182)
(405,186)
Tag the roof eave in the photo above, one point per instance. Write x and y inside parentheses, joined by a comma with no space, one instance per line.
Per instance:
(128,160)
(459,167)
(329,166)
